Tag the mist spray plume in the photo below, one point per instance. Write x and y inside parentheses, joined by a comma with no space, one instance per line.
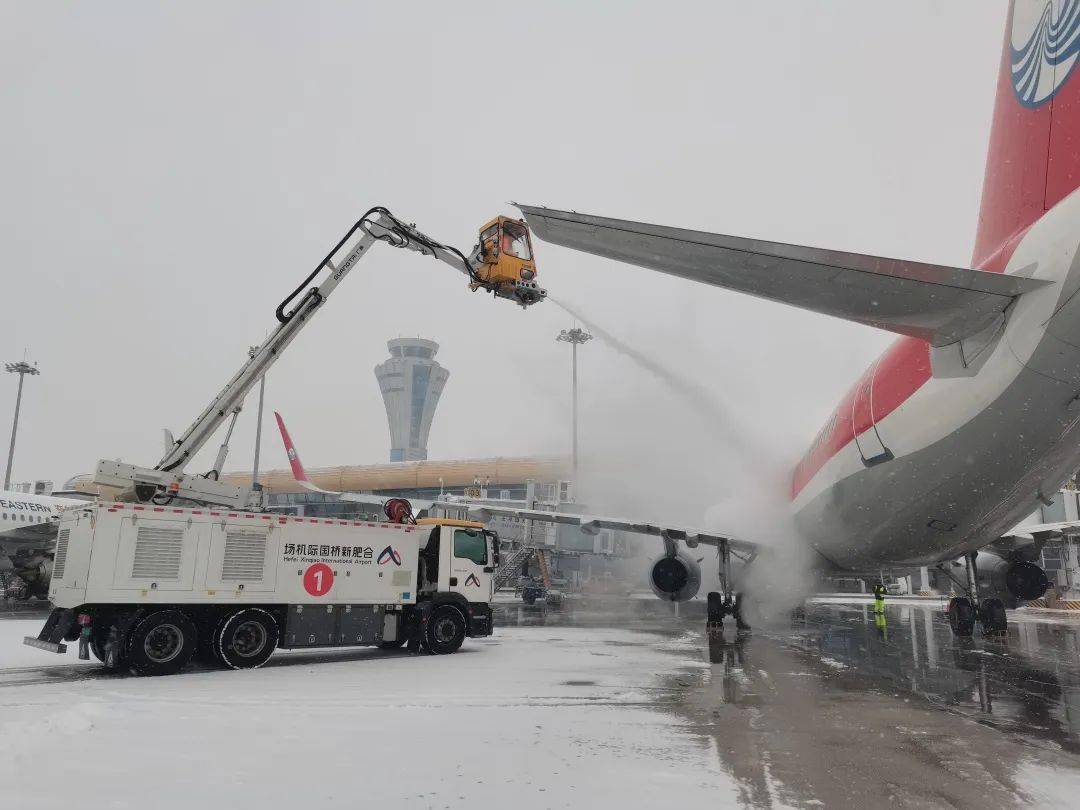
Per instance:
(721,420)
(735,481)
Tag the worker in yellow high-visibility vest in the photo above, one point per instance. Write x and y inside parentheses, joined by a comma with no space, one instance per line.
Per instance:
(879,598)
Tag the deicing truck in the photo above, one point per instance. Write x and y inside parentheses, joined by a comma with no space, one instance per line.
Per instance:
(151,587)
(184,564)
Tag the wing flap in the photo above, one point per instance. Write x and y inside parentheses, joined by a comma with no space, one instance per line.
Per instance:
(937,303)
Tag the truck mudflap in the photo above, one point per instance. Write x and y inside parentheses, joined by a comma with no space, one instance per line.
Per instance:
(57,626)
(481,622)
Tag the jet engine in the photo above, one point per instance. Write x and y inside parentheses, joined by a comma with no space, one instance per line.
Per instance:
(1020,579)
(675,578)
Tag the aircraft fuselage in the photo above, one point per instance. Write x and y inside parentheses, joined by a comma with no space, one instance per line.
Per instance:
(938,451)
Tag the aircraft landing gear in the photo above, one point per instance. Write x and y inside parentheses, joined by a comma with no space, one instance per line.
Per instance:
(993,618)
(961,616)
(726,602)
(962,610)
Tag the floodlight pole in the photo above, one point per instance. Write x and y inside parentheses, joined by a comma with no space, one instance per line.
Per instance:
(575,337)
(22,368)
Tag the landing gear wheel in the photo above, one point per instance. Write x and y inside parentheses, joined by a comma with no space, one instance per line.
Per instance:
(396,644)
(737,612)
(246,639)
(961,616)
(161,643)
(445,630)
(993,618)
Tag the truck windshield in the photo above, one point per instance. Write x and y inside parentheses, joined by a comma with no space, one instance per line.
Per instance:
(470,544)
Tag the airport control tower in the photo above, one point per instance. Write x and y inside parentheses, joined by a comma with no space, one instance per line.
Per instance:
(411,383)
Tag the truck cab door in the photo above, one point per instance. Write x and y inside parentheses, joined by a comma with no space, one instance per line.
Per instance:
(466,559)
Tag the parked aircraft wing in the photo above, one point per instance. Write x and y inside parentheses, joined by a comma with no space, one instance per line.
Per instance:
(937,303)
(592,524)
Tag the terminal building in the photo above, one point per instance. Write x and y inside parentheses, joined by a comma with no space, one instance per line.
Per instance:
(540,481)
(411,383)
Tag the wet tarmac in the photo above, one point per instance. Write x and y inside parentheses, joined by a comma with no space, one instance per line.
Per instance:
(842,707)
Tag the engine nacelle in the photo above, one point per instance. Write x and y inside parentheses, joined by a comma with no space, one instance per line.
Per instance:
(1018,578)
(675,579)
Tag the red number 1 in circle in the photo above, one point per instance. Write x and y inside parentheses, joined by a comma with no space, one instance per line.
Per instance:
(318,579)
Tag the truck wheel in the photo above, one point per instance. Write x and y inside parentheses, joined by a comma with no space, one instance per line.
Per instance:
(99,634)
(162,643)
(206,651)
(445,630)
(247,639)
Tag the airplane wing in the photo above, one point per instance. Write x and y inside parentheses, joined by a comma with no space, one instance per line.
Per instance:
(936,303)
(592,524)
(587,523)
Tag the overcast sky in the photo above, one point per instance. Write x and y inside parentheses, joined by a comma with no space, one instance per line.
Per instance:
(170,171)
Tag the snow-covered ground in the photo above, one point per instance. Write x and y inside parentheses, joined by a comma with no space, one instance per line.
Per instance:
(533,717)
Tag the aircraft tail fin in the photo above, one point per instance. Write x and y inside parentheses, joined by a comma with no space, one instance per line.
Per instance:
(290,450)
(1032,161)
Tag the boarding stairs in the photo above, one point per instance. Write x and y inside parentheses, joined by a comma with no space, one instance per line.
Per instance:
(545,572)
(510,569)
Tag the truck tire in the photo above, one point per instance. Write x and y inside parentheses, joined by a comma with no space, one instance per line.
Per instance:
(445,630)
(246,639)
(206,651)
(99,634)
(162,643)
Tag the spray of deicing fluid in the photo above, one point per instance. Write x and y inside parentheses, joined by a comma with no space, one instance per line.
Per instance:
(737,479)
(730,431)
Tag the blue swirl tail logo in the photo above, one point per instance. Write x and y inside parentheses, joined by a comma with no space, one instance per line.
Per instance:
(1044,45)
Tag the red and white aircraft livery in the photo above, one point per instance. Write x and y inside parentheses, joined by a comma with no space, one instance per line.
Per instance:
(970,418)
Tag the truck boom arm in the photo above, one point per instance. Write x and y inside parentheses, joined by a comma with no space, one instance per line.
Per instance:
(167,478)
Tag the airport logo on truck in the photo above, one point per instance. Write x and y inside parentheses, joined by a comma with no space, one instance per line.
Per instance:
(472,580)
(389,555)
